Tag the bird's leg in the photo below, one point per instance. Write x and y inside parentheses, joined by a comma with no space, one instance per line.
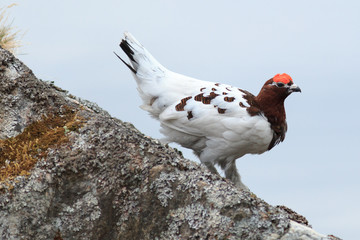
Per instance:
(207,161)
(232,174)
(211,167)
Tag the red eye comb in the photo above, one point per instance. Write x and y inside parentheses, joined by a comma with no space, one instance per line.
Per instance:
(284,78)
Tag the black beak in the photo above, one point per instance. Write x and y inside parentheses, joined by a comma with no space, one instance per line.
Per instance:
(294,88)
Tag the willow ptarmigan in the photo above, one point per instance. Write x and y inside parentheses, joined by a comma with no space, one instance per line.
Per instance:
(219,122)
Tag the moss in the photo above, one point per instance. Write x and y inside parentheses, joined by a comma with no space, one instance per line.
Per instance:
(19,154)
(58,236)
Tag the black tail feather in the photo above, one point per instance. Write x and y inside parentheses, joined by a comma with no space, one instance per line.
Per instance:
(127,49)
(128,65)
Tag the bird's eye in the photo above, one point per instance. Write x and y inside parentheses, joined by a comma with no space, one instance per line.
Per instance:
(280,84)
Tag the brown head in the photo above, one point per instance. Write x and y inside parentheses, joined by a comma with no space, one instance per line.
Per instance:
(270,102)
(277,89)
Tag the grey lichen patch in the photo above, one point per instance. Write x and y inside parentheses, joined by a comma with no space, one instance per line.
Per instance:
(189,185)
(80,217)
(194,184)
(194,215)
(215,193)
(162,186)
(129,207)
(299,231)
(198,220)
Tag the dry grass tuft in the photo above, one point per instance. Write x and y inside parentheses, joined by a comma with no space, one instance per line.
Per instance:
(9,39)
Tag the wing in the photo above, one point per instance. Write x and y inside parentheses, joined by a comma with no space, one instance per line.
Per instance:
(211,111)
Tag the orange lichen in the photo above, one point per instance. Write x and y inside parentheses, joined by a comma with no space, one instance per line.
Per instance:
(19,154)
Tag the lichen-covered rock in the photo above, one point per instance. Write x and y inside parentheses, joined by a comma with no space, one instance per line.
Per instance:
(108,180)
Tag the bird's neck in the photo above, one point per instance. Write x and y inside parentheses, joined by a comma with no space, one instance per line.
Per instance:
(272,106)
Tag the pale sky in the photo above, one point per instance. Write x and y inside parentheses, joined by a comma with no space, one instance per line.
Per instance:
(315,171)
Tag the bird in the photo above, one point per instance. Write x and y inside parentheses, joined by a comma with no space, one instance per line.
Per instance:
(219,122)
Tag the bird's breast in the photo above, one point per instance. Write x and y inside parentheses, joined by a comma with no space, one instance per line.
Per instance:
(252,135)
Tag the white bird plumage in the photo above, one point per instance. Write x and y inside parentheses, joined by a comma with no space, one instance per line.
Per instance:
(210,118)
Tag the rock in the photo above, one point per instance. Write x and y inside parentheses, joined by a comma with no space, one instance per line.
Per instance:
(71,171)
